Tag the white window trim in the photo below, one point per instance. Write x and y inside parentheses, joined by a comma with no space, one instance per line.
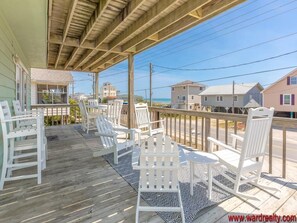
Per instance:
(205,98)
(219,97)
(284,99)
(235,96)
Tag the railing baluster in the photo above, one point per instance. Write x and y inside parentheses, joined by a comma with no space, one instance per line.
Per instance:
(270,150)
(235,127)
(190,131)
(284,151)
(226,131)
(185,130)
(52,116)
(175,127)
(202,133)
(166,124)
(170,118)
(196,132)
(217,131)
(207,133)
(179,128)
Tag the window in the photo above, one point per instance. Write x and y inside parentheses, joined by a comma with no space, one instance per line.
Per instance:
(287,99)
(192,97)
(184,87)
(235,98)
(293,80)
(184,97)
(205,98)
(51,94)
(173,89)
(219,98)
(201,88)
(22,83)
(178,97)
(190,106)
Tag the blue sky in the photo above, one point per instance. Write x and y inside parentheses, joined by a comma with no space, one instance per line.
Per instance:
(248,24)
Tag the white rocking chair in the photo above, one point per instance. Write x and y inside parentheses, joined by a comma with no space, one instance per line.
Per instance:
(113,112)
(87,119)
(144,123)
(246,164)
(110,143)
(158,165)
(13,150)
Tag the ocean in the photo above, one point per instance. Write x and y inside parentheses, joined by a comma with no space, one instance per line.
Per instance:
(160,100)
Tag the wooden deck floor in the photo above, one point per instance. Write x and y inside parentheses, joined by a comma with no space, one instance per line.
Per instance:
(79,188)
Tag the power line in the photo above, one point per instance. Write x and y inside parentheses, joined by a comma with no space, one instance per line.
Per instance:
(226,67)
(231,76)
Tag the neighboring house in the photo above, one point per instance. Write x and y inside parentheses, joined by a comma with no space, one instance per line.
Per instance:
(220,98)
(50,86)
(185,95)
(80,96)
(108,91)
(282,95)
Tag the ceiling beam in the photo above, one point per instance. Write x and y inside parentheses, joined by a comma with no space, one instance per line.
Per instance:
(50,11)
(66,28)
(96,16)
(122,17)
(150,16)
(190,21)
(153,13)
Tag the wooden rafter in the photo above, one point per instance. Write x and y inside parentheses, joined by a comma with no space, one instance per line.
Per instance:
(105,33)
(50,10)
(121,18)
(97,15)
(66,28)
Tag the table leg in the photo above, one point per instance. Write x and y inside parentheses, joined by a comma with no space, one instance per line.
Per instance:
(191,177)
(209,181)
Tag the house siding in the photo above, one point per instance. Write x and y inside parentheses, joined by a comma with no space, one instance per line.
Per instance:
(272,95)
(9,47)
(255,94)
(227,101)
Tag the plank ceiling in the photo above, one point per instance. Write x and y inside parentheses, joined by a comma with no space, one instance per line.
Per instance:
(92,35)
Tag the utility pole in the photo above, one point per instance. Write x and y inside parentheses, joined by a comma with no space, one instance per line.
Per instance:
(73,89)
(233,86)
(151,74)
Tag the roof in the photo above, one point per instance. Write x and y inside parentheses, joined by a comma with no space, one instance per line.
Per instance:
(96,34)
(252,104)
(239,89)
(188,82)
(51,76)
(293,72)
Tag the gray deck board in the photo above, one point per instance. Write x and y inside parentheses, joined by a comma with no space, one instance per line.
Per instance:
(77,187)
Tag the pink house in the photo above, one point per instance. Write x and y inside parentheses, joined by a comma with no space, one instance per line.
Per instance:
(282,95)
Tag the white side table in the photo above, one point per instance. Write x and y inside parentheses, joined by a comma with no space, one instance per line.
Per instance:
(201,158)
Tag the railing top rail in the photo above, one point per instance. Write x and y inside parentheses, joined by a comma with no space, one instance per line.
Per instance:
(53,106)
(279,122)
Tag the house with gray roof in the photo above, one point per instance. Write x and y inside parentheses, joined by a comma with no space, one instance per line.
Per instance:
(185,95)
(220,98)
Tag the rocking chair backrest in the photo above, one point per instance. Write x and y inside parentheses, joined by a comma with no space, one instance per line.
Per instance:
(257,130)
(105,128)
(159,164)
(142,116)
(114,109)
(83,110)
(93,102)
(17,107)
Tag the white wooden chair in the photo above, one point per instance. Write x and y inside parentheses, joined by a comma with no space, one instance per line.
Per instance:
(246,164)
(144,123)
(113,112)
(27,123)
(93,102)
(159,165)
(88,119)
(14,151)
(110,143)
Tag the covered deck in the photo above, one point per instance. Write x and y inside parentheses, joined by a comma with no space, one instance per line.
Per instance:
(76,187)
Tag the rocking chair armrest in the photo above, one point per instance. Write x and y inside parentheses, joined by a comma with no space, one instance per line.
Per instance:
(20,118)
(237,137)
(158,121)
(217,142)
(106,135)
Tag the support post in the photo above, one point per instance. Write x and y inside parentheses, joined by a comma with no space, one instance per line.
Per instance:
(207,133)
(130,90)
(96,85)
